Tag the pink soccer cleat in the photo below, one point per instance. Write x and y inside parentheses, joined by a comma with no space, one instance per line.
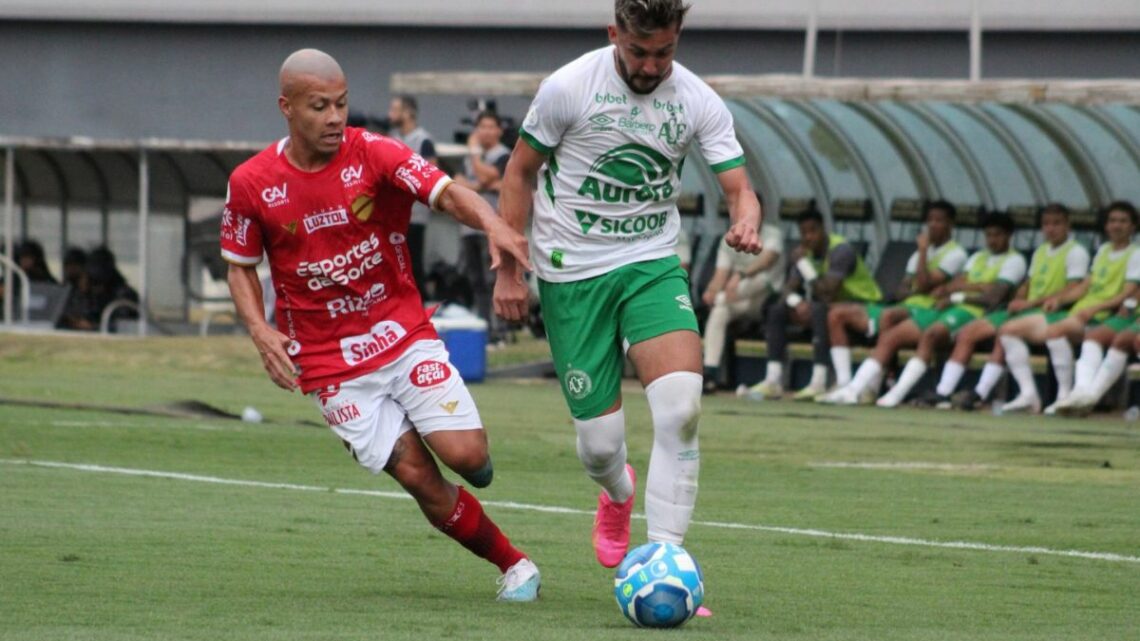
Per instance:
(611,526)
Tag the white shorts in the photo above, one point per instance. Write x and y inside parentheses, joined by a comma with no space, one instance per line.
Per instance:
(420,390)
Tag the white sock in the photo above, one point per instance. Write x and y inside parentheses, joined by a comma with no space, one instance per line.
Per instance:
(991,374)
(910,376)
(867,375)
(952,373)
(1017,357)
(1111,369)
(674,464)
(601,448)
(775,373)
(1089,362)
(818,376)
(1061,355)
(841,361)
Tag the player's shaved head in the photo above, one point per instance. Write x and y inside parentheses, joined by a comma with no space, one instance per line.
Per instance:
(303,63)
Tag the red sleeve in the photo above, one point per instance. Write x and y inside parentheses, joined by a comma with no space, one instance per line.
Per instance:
(241,229)
(407,171)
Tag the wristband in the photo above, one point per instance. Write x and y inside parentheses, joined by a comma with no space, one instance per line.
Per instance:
(958,298)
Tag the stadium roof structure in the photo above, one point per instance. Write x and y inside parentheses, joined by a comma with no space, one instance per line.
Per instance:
(861,148)
(868,152)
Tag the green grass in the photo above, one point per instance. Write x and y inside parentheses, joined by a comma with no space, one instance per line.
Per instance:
(88,555)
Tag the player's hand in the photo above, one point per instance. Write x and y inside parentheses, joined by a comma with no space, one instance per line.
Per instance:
(511,296)
(732,288)
(922,241)
(709,297)
(1050,305)
(273,347)
(1016,306)
(743,238)
(1085,315)
(502,238)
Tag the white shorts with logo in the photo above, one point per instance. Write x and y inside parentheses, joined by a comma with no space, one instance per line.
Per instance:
(420,390)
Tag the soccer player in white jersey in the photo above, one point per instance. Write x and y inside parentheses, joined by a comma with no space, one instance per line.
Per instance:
(599,157)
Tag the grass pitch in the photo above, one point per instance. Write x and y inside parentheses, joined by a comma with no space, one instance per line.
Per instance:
(812,523)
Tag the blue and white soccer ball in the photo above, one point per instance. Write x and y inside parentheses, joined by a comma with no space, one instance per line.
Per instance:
(658,585)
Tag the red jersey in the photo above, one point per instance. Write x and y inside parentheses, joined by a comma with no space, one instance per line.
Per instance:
(337,250)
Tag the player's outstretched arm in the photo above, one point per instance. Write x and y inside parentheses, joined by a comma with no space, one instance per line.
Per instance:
(743,234)
(512,296)
(245,288)
(469,208)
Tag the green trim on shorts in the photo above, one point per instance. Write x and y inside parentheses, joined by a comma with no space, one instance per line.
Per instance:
(587,322)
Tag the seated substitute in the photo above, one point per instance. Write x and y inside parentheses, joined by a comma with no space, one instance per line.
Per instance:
(1096,371)
(1114,277)
(738,289)
(827,270)
(1058,265)
(988,278)
(937,259)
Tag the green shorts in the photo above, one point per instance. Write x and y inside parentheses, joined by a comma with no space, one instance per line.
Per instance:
(1117,323)
(590,322)
(955,317)
(922,316)
(1001,316)
(874,312)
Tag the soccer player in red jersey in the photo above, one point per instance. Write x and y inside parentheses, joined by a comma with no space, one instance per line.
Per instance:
(330,205)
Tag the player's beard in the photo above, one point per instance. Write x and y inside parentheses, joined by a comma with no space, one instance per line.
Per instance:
(656,81)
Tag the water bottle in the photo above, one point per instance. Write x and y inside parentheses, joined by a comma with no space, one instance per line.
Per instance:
(1132,413)
(997,408)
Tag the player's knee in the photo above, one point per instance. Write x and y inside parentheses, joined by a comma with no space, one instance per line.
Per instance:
(675,403)
(600,439)
(482,476)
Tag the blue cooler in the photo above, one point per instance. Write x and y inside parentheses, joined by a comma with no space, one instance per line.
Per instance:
(466,341)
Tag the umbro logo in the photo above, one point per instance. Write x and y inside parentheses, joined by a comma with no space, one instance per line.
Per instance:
(449,406)
(602,120)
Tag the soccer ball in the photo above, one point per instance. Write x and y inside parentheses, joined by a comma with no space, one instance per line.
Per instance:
(658,585)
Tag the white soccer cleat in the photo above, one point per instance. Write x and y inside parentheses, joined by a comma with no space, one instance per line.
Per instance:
(840,396)
(520,582)
(765,390)
(888,401)
(1023,403)
(1078,403)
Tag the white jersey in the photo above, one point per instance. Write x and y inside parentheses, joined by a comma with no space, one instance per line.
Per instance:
(608,192)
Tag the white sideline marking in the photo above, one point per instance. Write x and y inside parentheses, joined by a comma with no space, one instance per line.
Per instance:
(903,465)
(866,538)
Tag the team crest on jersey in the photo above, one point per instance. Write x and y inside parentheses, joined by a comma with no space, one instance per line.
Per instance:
(429,374)
(362,208)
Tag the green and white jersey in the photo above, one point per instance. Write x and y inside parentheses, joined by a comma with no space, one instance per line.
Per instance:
(607,194)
